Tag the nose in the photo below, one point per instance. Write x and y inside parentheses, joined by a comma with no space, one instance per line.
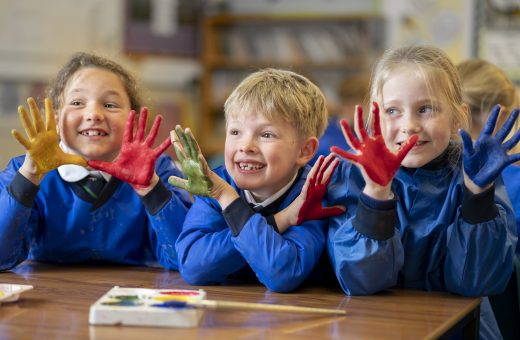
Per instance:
(411,125)
(94,112)
(248,144)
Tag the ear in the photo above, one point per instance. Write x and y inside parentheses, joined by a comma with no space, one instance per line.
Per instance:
(307,150)
(56,117)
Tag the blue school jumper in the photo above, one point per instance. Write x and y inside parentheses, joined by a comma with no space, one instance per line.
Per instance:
(511,175)
(216,246)
(57,221)
(435,235)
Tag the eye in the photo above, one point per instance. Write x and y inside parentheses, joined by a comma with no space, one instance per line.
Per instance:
(391,111)
(233,132)
(111,106)
(75,103)
(427,109)
(268,134)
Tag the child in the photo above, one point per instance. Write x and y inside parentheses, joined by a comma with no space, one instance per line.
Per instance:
(248,227)
(442,220)
(485,85)
(51,214)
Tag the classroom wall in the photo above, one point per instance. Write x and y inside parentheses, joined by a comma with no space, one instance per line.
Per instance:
(37,37)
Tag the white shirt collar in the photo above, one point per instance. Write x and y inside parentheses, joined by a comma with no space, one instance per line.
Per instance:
(75,173)
(250,199)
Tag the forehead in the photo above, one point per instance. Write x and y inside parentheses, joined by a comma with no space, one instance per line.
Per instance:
(255,118)
(411,83)
(89,78)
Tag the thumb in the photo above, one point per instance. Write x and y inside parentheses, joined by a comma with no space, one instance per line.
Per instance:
(178,182)
(73,159)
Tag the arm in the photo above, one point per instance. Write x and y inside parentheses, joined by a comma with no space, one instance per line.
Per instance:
(166,208)
(135,163)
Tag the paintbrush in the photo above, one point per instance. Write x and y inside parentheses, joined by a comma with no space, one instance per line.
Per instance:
(173,302)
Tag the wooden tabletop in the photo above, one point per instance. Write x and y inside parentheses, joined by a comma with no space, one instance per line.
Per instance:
(58,308)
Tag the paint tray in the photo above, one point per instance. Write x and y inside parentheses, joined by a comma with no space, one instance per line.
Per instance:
(11,292)
(147,307)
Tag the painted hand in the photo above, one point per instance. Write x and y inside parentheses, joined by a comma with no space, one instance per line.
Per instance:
(485,159)
(43,143)
(193,164)
(379,163)
(314,190)
(135,163)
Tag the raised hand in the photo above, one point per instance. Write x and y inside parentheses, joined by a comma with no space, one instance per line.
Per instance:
(485,159)
(314,190)
(378,162)
(43,143)
(193,164)
(135,163)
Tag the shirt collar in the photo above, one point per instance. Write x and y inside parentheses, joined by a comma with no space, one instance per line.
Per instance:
(250,199)
(75,173)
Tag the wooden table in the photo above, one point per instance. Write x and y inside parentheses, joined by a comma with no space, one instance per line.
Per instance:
(58,307)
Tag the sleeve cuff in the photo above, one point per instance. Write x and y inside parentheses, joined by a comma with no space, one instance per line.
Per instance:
(478,208)
(23,190)
(237,214)
(375,219)
(156,199)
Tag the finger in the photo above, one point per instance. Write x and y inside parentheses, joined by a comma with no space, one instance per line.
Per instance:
(360,125)
(178,182)
(192,143)
(73,159)
(205,168)
(333,211)
(511,142)
(508,125)
(177,143)
(327,176)
(162,147)
(406,147)
(184,141)
(153,131)
(324,167)
(141,125)
(50,120)
(467,143)
(491,121)
(129,127)
(26,122)
(376,124)
(514,158)
(311,176)
(21,139)
(344,154)
(349,135)
(35,114)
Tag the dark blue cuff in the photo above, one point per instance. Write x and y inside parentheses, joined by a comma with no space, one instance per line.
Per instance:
(237,214)
(478,208)
(375,219)
(23,190)
(156,199)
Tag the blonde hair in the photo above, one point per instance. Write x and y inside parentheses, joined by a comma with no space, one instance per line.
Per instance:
(280,94)
(439,73)
(484,85)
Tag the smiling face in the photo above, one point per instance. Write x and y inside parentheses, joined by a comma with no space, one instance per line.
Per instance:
(263,155)
(410,107)
(91,119)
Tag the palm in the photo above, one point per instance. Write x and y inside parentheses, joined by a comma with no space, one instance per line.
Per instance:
(43,143)
(379,163)
(135,163)
(487,157)
(192,162)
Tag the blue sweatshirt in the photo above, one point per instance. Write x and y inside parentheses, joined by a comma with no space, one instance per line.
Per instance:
(216,246)
(57,221)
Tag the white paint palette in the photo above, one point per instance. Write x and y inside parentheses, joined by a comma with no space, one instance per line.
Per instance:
(147,307)
(11,292)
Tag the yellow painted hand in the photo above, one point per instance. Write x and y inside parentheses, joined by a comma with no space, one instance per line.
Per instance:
(43,143)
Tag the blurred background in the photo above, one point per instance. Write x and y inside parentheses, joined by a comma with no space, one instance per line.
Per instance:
(189,54)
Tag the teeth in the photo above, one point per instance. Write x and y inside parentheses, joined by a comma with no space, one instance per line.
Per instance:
(247,166)
(93,133)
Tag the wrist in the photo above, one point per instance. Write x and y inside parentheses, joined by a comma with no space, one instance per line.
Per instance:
(378,192)
(29,175)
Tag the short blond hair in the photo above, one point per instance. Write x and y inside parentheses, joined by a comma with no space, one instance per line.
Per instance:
(484,85)
(281,94)
(438,71)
